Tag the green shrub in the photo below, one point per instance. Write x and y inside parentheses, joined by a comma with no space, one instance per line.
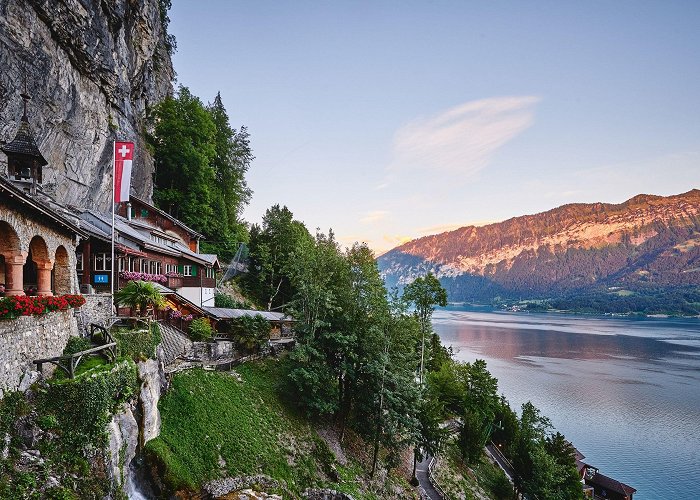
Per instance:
(77,344)
(200,329)
(251,332)
(83,405)
(138,344)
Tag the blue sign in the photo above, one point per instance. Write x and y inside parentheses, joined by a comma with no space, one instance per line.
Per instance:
(102,278)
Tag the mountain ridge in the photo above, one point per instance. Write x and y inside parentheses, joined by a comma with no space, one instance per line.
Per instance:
(645,239)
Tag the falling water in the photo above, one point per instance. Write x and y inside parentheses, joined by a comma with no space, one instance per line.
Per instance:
(137,487)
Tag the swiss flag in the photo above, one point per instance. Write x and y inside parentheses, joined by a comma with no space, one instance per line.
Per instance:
(123,156)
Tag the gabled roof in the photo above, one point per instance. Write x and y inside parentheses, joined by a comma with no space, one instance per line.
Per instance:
(100,226)
(169,217)
(610,484)
(13,193)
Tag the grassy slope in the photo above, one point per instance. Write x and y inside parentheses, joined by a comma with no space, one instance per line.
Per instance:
(214,425)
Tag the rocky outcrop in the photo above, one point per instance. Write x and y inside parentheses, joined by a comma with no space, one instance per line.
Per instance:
(92,69)
(123,435)
(152,379)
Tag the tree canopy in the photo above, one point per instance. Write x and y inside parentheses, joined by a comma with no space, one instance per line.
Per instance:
(200,166)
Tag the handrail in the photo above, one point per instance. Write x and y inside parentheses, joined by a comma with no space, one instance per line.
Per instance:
(75,358)
(433,481)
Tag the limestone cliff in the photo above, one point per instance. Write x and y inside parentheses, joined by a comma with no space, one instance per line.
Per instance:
(92,68)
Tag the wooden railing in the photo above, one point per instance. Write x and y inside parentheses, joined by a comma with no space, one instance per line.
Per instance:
(69,363)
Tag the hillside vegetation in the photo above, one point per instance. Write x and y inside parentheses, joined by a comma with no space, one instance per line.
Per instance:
(579,256)
(238,425)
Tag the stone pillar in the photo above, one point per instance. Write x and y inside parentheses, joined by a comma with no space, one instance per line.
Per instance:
(14,275)
(43,272)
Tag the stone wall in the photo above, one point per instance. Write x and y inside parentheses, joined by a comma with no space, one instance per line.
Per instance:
(97,309)
(24,339)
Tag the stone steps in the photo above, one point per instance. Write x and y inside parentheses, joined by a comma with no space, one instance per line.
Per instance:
(175,344)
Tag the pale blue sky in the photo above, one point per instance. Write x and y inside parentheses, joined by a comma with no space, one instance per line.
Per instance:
(388,120)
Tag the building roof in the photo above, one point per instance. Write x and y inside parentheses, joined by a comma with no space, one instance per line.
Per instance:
(23,143)
(610,484)
(13,193)
(99,225)
(226,313)
(169,217)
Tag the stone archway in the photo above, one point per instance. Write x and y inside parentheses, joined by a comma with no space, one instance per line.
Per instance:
(39,262)
(12,260)
(62,272)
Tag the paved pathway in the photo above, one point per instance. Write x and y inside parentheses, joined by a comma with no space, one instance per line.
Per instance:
(425,484)
(502,462)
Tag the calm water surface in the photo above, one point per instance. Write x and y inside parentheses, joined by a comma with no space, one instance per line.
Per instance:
(626,392)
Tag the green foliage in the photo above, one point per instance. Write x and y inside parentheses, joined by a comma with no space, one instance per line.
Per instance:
(140,295)
(200,166)
(251,332)
(201,329)
(544,464)
(83,405)
(206,415)
(228,302)
(273,247)
(77,344)
(138,344)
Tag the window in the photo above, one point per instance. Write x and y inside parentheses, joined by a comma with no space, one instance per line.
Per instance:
(122,263)
(103,262)
(187,270)
(79,261)
(144,266)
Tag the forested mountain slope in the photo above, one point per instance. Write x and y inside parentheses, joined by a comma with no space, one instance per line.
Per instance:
(646,242)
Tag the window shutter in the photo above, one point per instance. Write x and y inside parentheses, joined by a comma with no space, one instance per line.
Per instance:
(180,268)
(194,270)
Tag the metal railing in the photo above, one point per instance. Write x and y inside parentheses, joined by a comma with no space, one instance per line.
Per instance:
(433,481)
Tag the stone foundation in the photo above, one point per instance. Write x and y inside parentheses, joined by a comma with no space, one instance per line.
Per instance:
(24,339)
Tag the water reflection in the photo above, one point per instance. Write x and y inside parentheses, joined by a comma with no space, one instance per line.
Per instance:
(625,391)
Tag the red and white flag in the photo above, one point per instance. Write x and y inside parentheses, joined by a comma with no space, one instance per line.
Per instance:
(123,156)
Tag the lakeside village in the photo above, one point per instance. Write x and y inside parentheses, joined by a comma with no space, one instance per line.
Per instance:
(56,280)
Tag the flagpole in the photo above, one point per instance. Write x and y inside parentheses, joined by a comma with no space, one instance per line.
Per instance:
(114,176)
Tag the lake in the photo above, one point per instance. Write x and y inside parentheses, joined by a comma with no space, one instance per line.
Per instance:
(625,391)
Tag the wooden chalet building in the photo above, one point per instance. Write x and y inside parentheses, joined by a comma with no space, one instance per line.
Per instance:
(150,245)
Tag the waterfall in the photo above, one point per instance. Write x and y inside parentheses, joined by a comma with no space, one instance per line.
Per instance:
(137,486)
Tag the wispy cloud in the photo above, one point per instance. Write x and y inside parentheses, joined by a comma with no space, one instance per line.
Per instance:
(462,139)
(374,216)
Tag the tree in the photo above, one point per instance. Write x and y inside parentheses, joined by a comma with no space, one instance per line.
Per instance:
(424,294)
(272,247)
(139,296)
(183,142)
(200,166)
(251,332)
(231,161)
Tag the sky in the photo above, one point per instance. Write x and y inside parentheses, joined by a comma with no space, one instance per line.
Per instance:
(391,120)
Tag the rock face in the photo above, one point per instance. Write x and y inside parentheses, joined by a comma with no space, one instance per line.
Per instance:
(123,434)
(647,240)
(152,376)
(92,68)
